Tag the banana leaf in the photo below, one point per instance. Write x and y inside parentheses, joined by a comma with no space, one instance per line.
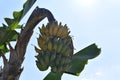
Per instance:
(80,59)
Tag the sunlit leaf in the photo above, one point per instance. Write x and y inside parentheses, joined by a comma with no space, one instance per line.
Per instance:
(81,58)
(17,15)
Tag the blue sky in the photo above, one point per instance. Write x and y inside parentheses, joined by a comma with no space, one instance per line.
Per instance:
(90,21)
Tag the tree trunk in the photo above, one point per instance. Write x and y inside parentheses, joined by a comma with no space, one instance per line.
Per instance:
(12,67)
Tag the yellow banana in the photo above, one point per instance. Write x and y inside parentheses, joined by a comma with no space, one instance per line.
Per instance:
(51,29)
(59,31)
(38,50)
(40,42)
(55,30)
(64,33)
(50,45)
(47,32)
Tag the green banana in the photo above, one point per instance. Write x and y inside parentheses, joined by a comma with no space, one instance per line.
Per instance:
(41,67)
(55,48)
(62,61)
(59,69)
(46,57)
(67,53)
(64,50)
(57,61)
(67,67)
(41,60)
(52,57)
(54,69)
(60,46)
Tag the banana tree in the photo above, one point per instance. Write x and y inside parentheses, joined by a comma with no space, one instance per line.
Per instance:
(56,49)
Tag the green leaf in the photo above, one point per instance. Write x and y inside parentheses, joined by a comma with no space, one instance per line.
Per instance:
(7,35)
(3,49)
(9,21)
(27,6)
(18,15)
(81,58)
(53,76)
(2,32)
(4,25)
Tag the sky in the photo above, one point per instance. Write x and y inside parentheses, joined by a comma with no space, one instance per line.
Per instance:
(90,21)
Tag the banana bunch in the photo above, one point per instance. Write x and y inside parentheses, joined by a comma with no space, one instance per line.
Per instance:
(55,48)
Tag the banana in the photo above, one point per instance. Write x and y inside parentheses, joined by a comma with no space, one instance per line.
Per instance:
(55,47)
(46,57)
(50,45)
(64,33)
(67,53)
(47,32)
(54,69)
(45,38)
(65,26)
(55,30)
(63,51)
(58,59)
(60,46)
(41,67)
(52,57)
(59,31)
(51,29)
(40,42)
(38,50)
(41,31)
(62,61)
(67,60)
(67,67)
(41,61)
(39,56)
(59,69)
(55,44)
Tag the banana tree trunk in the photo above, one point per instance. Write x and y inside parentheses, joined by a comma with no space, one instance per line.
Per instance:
(12,67)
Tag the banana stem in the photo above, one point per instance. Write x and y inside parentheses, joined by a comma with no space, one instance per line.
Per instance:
(13,65)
